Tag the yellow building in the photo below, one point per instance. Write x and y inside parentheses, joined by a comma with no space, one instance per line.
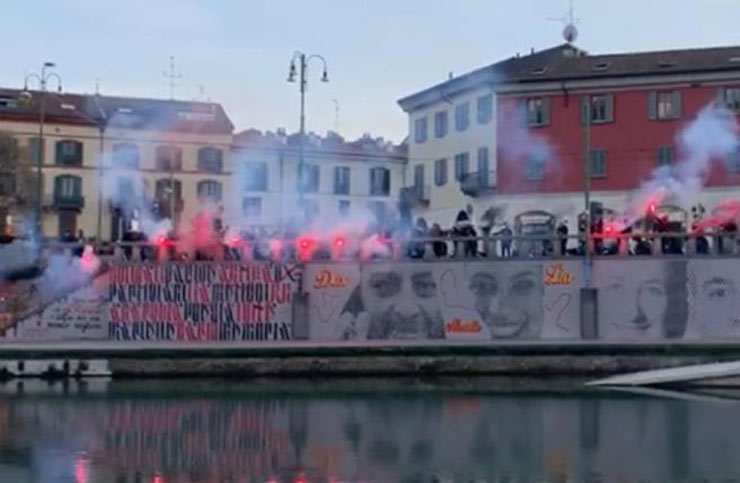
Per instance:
(107,162)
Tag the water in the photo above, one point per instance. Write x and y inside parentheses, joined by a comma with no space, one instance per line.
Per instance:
(384,431)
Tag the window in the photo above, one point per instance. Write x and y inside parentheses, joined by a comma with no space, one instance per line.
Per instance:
(68,187)
(163,189)
(462,165)
(210,190)
(252,207)
(341,180)
(210,160)
(440,172)
(343,208)
(602,108)
(664,105)
(440,124)
(485,109)
(168,158)
(308,178)
(36,150)
(665,156)
(378,210)
(69,153)
(598,163)
(8,148)
(420,130)
(733,162)
(732,98)
(380,182)
(255,177)
(7,184)
(126,155)
(535,167)
(538,111)
(125,189)
(419,177)
(482,161)
(462,116)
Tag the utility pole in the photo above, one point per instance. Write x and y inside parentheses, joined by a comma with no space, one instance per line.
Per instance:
(303,59)
(172,76)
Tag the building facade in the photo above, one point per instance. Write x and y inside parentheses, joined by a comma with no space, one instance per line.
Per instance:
(543,134)
(107,163)
(343,182)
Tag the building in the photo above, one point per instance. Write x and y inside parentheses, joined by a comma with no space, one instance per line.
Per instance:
(357,181)
(106,162)
(639,103)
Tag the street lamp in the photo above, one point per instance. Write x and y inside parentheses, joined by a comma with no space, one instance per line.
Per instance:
(303,61)
(43,79)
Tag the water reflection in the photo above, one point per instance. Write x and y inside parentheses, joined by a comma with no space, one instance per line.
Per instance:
(226,432)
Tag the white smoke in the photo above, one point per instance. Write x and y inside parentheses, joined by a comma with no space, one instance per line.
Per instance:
(518,143)
(713,135)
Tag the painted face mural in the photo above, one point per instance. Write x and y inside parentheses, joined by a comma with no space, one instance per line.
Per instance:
(714,288)
(508,297)
(401,301)
(641,300)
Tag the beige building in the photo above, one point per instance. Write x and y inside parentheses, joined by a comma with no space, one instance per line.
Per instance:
(452,145)
(343,181)
(110,162)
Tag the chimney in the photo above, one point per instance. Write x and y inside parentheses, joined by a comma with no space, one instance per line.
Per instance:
(532,52)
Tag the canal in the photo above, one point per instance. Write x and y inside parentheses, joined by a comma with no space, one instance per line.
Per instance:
(364,430)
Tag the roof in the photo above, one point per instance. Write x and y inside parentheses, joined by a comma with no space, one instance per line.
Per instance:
(331,144)
(567,62)
(117,112)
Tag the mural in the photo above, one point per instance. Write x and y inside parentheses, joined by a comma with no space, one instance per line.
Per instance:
(452,301)
(641,299)
(638,299)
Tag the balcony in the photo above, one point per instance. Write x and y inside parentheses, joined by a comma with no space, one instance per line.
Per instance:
(75,202)
(480,183)
(415,195)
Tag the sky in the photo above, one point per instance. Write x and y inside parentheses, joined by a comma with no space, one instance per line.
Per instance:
(378,51)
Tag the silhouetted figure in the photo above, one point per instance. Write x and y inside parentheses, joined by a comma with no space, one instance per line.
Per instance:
(562,231)
(439,247)
(506,239)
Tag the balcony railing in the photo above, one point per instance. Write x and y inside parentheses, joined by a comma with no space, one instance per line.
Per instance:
(415,195)
(74,202)
(478,183)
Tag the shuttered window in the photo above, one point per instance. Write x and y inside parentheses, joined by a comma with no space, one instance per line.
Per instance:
(69,153)
(462,165)
(664,105)
(538,111)
(601,108)
(535,168)
(729,97)
(440,172)
(598,163)
(462,116)
(665,156)
(440,124)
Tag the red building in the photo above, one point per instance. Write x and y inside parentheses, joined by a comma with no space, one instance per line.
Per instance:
(640,102)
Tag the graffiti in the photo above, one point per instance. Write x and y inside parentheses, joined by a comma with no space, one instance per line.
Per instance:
(201,302)
(329,279)
(556,274)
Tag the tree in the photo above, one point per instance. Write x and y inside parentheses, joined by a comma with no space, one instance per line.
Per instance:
(18,192)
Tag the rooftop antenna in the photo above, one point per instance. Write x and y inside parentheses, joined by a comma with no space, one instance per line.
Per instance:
(570,31)
(336,115)
(173,77)
(97,86)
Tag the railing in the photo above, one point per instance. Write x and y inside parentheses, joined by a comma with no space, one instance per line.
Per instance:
(415,195)
(430,248)
(478,183)
(76,202)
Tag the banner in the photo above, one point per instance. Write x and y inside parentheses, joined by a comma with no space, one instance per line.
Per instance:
(444,300)
(202,301)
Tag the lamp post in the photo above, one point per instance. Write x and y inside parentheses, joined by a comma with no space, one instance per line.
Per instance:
(43,79)
(101,120)
(303,60)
